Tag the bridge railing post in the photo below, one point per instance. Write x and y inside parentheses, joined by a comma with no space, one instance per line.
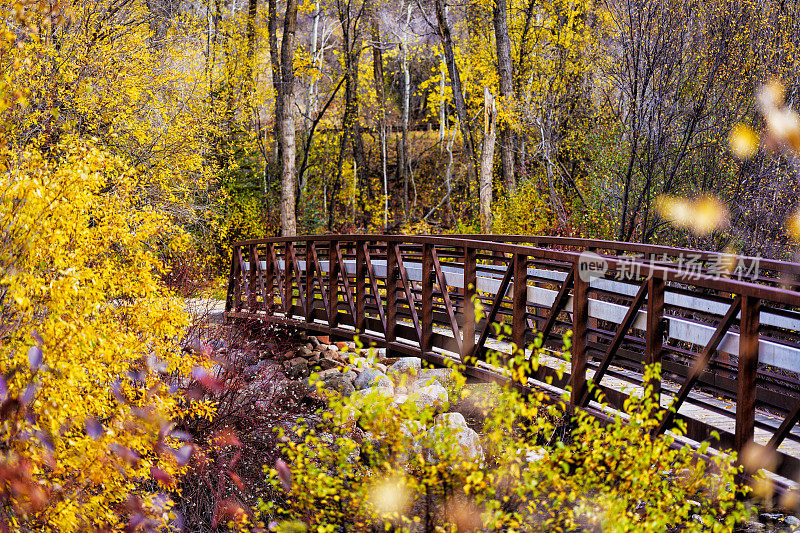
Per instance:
(391,292)
(309,282)
(252,283)
(269,279)
(654,341)
(470,289)
(333,283)
(519,302)
(360,319)
(288,267)
(747,371)
(240,279)
(426,339)
(580,317)
(232,274)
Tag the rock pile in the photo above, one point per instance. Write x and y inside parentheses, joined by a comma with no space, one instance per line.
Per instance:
(348,370)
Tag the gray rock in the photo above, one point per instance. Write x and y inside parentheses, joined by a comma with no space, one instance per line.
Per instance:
(453,424)
(296,368)
(314,341)
(432,396)
(407,366)
(303,351)
(340,384)
(534,456)
(385,385)
(751,525)
(443,375)
(369,377)
(360,363)
(792,521)
(362,395)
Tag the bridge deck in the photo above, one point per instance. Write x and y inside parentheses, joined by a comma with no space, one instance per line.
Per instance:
(729,349)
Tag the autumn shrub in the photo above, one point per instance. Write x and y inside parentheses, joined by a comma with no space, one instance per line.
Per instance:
(525,213)
(95,336)
(373,463)
(250,398)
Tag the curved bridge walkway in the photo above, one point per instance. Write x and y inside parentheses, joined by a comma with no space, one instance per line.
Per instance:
(726,329)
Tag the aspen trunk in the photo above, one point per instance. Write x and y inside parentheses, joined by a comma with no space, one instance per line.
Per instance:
(487,160)
(286,119)
(377,73)
(506,77)
(458,96)
(275,60)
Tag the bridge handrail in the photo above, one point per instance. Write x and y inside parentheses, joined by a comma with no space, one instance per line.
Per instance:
(775,294)
(776,265)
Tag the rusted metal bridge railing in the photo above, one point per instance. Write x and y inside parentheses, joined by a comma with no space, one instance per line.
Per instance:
(726,329)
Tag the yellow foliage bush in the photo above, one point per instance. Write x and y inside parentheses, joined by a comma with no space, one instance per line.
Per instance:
(100,152)
(376,464)
(525,213)
(89,334)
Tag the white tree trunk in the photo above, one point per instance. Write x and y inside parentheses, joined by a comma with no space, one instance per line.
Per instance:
(487,160)
(288,217)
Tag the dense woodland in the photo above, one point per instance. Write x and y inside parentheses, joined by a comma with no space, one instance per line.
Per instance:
(139,138)
(253,118)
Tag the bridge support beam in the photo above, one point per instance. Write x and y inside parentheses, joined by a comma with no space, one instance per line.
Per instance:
(470,283)
(519,301)
(654,340)
(748,368)
(580,319)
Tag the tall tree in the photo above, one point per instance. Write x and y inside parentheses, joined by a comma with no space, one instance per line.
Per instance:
(446,36)
(506,77)
(377,73)
(487,159)
(285,117)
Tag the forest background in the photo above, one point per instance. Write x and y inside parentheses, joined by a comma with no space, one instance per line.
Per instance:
(250,118)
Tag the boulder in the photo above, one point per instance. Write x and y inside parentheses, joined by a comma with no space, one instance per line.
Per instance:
(327,363)
(303,351)
(340,384)
(360,363)
(372,377)
(296,368)
(432,396)
(453,424)
(407,366)
(361,396)
(442,375)
(314,341)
